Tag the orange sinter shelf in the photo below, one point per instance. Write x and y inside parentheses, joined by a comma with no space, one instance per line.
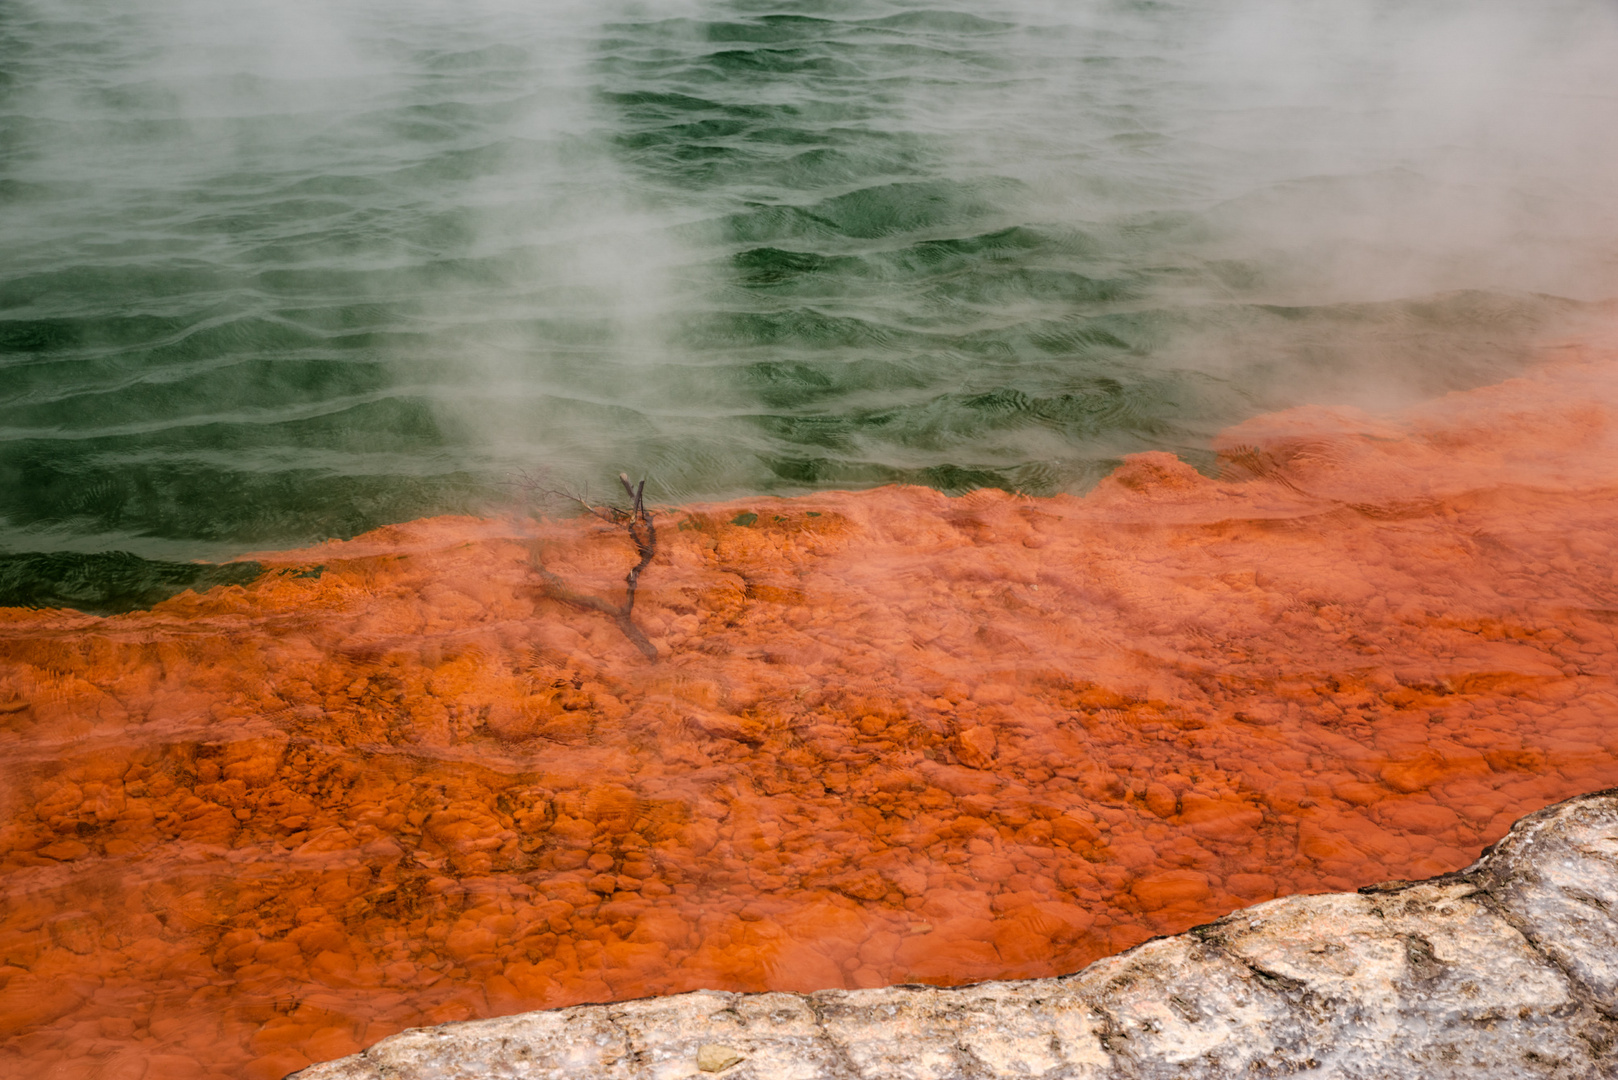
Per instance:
(890,736)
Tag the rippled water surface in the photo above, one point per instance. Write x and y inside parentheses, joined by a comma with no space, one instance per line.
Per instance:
(281,272)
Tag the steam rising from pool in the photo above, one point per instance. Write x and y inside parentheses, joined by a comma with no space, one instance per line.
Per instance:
(283,271)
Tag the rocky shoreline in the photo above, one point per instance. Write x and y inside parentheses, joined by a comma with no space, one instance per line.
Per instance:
(1506,969)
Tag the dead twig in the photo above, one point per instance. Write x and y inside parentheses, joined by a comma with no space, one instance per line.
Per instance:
(637,521)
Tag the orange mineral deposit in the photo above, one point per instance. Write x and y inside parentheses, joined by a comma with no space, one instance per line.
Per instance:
(890,736)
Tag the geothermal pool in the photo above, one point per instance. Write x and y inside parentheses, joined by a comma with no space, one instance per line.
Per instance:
(1113,463)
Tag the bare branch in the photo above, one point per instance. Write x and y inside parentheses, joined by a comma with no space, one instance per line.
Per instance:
(637,521)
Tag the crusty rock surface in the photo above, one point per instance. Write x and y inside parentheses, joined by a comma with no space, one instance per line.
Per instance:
(1507,969)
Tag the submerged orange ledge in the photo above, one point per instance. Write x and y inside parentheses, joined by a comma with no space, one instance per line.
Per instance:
(893,736)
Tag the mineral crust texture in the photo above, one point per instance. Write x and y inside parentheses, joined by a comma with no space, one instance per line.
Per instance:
(1506,969)
(890,737)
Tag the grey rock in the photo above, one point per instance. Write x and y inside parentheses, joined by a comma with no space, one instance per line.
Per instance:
(1507,969)
(1559,886)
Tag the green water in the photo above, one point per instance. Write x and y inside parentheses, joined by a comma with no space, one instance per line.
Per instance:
(280,272)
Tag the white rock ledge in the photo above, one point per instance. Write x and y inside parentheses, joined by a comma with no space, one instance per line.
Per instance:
(1508,969)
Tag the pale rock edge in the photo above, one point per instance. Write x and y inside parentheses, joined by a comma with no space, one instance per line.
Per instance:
(1507,969)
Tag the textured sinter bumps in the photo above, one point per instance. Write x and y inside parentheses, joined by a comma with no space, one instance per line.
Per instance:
(890,737)
(1503,972)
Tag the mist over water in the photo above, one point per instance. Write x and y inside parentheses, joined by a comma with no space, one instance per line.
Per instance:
(281,272)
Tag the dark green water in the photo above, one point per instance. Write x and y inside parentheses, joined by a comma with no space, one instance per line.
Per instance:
(279,272)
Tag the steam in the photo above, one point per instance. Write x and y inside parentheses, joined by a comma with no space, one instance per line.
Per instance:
(437,176)
(1475,126)
(1307,153)
(1299,200)
(1376,150)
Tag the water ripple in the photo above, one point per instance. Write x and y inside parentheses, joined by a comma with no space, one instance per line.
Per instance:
(285,276)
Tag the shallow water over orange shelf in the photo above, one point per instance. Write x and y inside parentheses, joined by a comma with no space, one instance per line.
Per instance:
(892,736)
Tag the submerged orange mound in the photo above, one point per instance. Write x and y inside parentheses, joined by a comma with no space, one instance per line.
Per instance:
(891,736)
